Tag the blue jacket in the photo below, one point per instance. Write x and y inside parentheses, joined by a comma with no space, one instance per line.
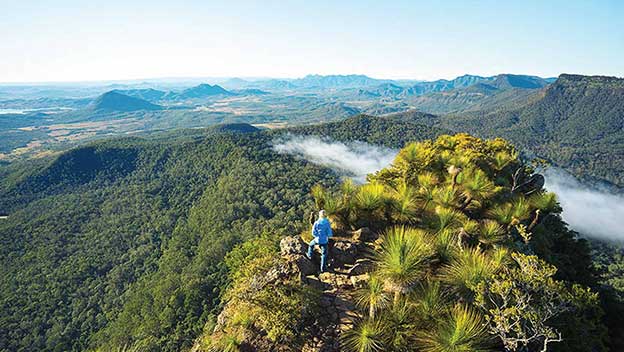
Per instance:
(322,230)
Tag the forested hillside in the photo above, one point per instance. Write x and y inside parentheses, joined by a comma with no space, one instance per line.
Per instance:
(122,241)
(140,214)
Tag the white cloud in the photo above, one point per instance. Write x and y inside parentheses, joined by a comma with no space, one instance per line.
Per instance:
(354,159)
(590,211)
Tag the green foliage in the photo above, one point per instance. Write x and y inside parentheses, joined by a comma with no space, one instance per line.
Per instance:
(257,305)
(553,124)
(366,336)
(454,212)
(403,257)
(469,269)
(372,297)
(461,330)
(523,301)
(121,244)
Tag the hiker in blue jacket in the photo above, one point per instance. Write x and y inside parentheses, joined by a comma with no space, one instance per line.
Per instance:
(321,230)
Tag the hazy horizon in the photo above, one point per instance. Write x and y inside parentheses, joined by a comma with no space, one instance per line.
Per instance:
(250,79)
(73,41)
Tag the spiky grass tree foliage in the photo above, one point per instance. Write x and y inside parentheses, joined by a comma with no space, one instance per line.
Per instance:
(404,256)
(404,203)
(367,335)
(446,245)
(448,218)
(372,297)
(431,302)
(401,321)
(476,186)
(491,233)
(227,343)
(447,197)
(462,330)
(470,268)
(545,202)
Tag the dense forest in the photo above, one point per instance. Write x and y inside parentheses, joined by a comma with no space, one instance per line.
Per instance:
(116,226)
(121,243)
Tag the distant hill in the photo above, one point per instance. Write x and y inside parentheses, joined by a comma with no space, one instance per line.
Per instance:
(386,89)
(331,111)
(235,82)
(272,84)
(462,91)
(517,81)
(234,128)
(149,94)
(576,122)
(201,91)
(115,101)
(443,85)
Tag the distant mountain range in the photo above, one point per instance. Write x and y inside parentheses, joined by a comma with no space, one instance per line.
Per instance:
(197,92)
(385,87)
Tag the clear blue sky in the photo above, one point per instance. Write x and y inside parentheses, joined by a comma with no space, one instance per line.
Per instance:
(66,40)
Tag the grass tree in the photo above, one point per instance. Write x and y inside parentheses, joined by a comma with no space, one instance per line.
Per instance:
(372,297)
(446,196)
(370,201)
(469,269)
(402,322)
(476,186)
(431,301)
(462,330)
(404,203)
(367,335)
(491,233)
(404,256)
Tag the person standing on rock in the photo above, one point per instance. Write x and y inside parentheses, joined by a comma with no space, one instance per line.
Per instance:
(321,231)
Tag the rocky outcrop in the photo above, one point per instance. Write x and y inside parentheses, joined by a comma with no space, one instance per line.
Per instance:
(348,270)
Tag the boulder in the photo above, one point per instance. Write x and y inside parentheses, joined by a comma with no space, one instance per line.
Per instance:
(292,245)
(335,280)
(342,252)
(362,266)
(359,280)
(363,235)
(304,265)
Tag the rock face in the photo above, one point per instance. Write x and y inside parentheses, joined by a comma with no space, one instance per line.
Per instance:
(292,245)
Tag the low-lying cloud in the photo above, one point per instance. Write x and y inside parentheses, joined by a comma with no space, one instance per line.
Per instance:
(590,211)
(353,159)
